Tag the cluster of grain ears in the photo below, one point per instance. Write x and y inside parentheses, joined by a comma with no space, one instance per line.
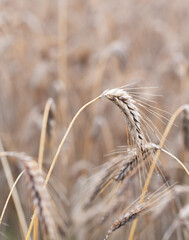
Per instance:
(41,199)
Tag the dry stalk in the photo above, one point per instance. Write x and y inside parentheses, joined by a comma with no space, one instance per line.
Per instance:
(65,136)
(15,196)
(46,128)
(9,196)
(128,105)
(58,152)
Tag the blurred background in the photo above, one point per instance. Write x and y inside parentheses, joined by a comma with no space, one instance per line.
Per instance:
(71,51)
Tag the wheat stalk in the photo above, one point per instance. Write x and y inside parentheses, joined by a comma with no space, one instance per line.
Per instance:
(9,196)
(46,128)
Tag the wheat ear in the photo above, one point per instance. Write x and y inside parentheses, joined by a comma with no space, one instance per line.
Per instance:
(123,167)
(126,218)
(150,202)
(133,161)
(39,194)
(128,106)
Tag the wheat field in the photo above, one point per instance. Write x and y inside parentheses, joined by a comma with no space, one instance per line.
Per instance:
(94,120)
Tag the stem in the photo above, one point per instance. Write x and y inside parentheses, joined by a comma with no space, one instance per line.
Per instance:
(43,131)
(9,196)
(35,228)
(170,154)
(15,196)
(57,154)
(31,226)
(65,136)
(41,152)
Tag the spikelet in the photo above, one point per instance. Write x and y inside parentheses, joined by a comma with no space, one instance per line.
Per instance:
(133,160)
(124,166)
(185,124)
(39,194)
(128,106)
